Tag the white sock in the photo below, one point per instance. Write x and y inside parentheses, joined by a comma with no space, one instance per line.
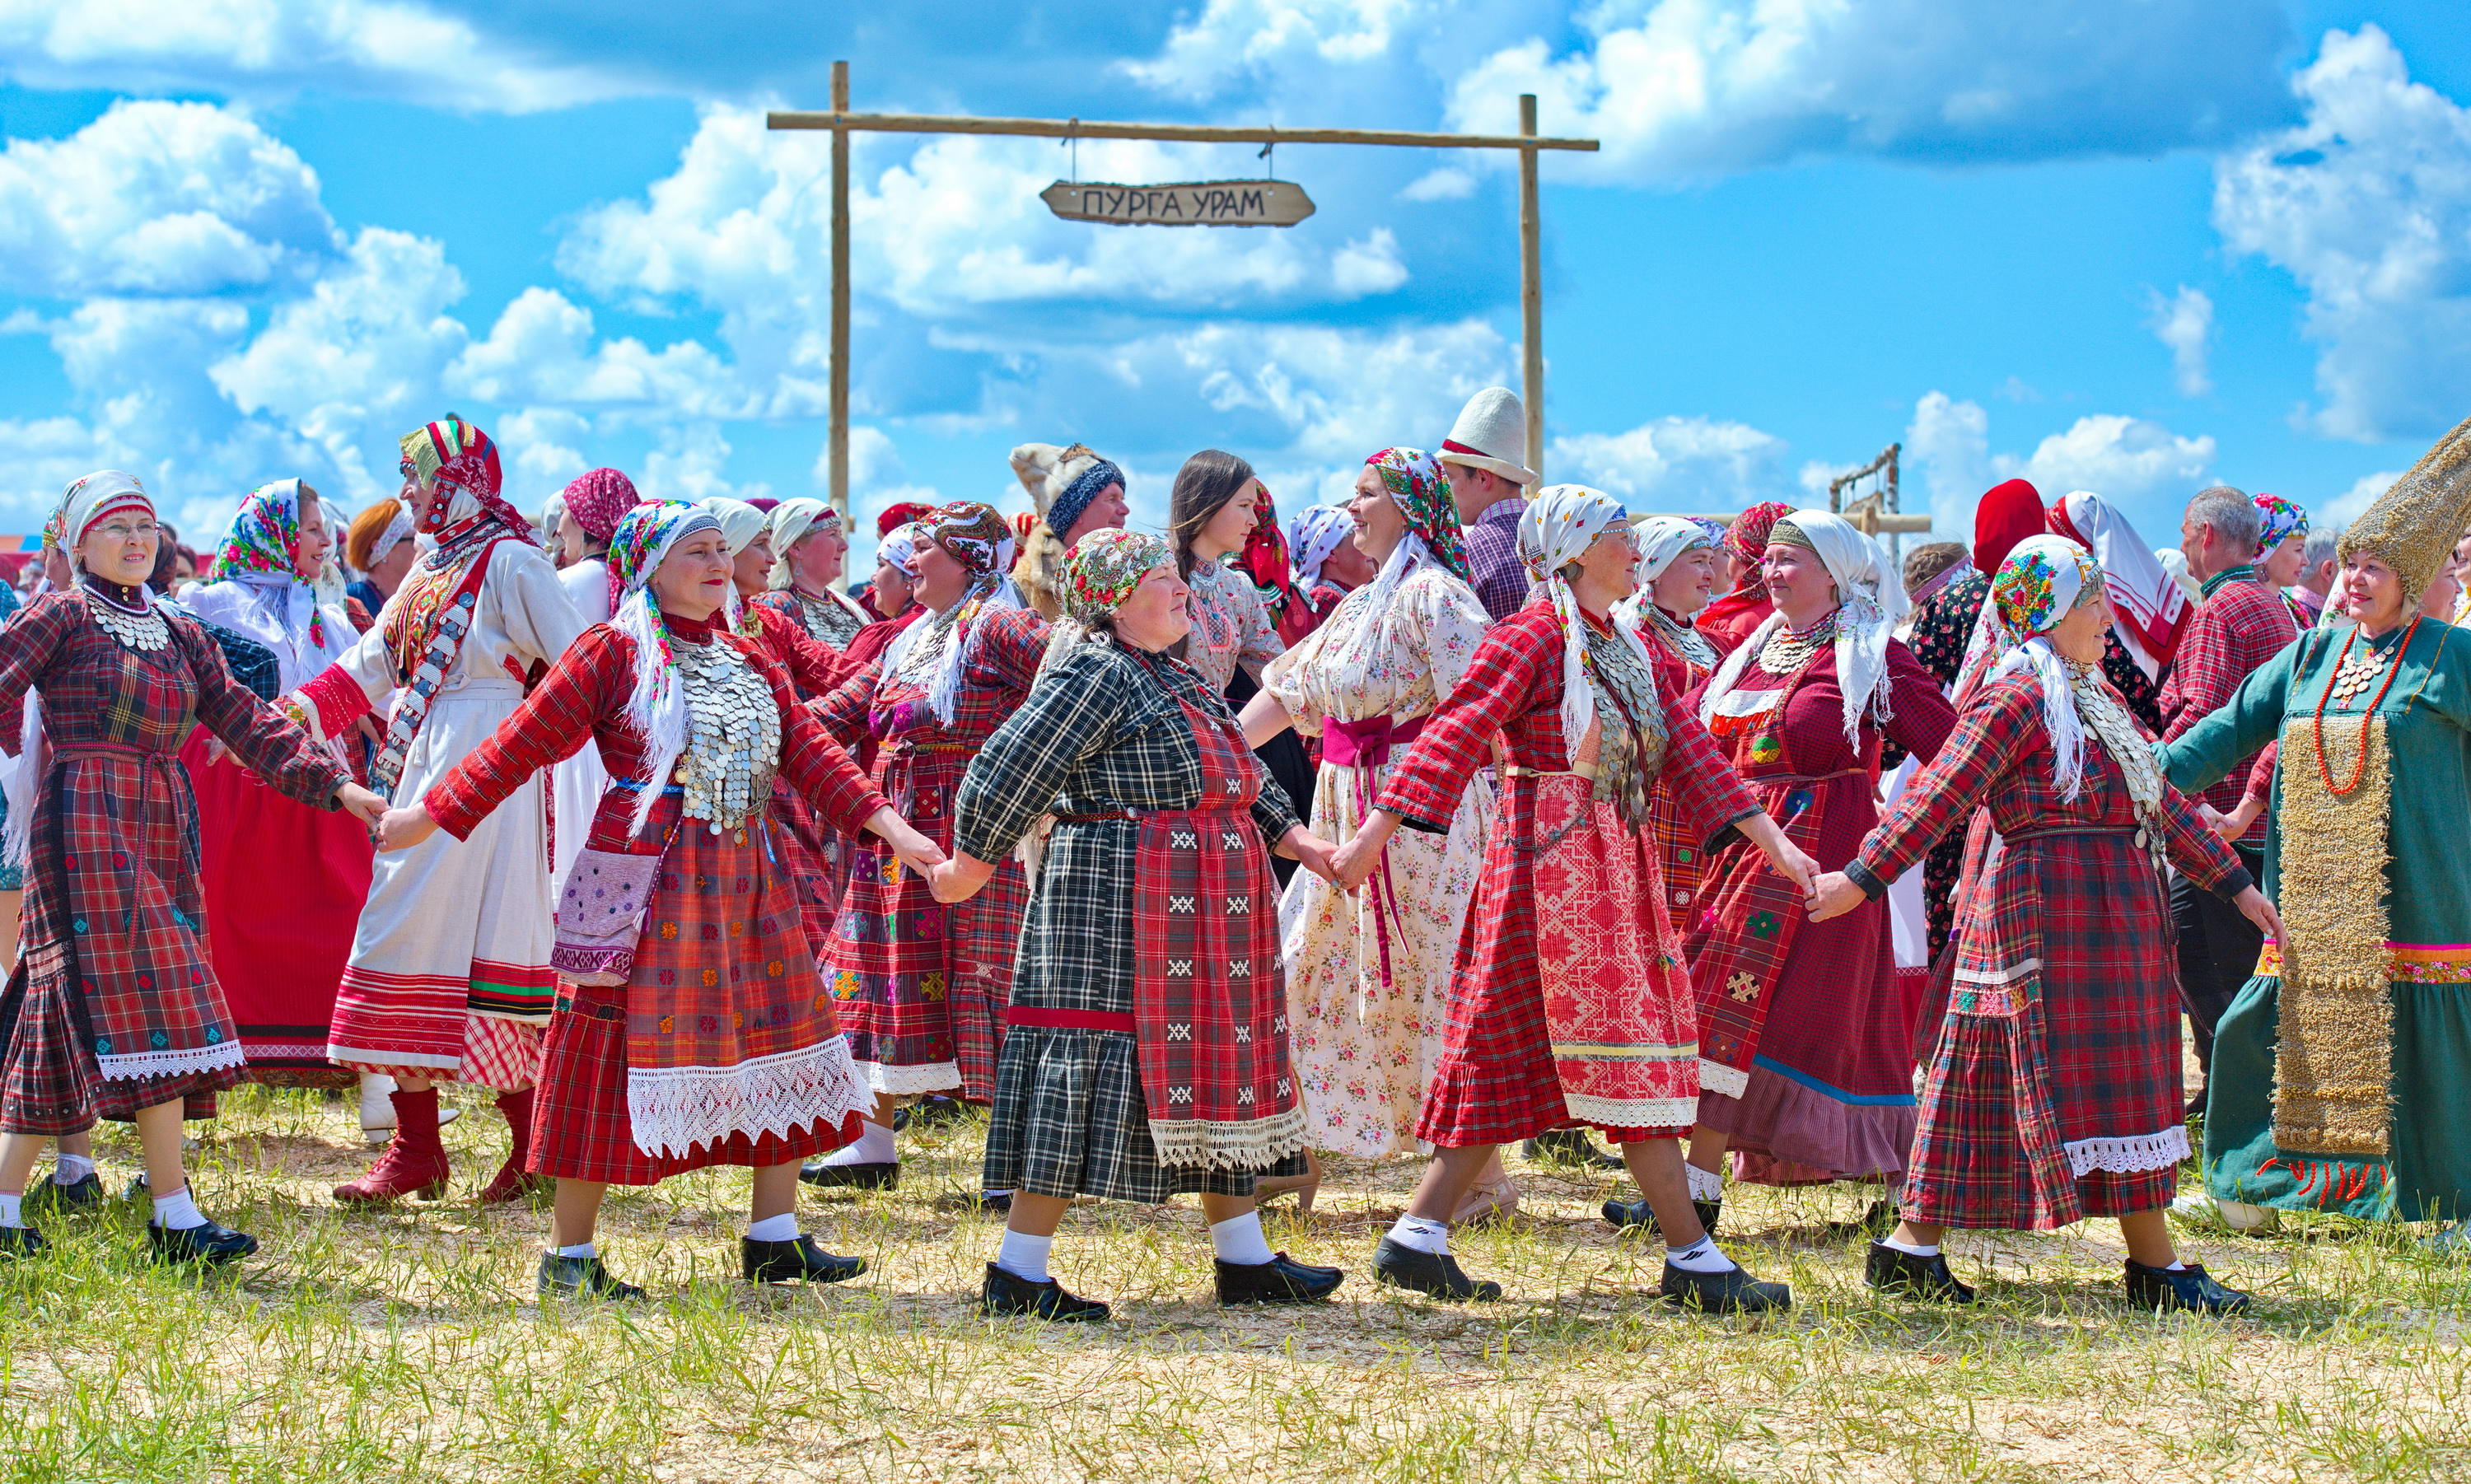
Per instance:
(1705,1185)
(1025,1255)
(1702,1256)
(13,1210)
(783,1228)
(70,1168)
(872,1146)
(1239,1239)
(2178,1265)
(177,1213)
(580,1250)
(1421,1233)
(1917,1250)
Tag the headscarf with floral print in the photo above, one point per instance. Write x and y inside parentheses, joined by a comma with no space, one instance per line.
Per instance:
(1421,489)
(1104,569)
(933,651)
(2278,520)
(262,548)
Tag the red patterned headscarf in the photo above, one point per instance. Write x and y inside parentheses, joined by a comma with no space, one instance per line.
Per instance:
(598,499)
(451,451)
(1265,560)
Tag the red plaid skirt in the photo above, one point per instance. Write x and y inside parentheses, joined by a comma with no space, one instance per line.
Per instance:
(1497,1080)
(921,987)
(580,1129)
(114,963)
(815,859)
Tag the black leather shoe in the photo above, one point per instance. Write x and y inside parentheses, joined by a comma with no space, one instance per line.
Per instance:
(209,1243)
(49,1194)
(1570,1147)
(2190,1288)
(1639,1214)
(1008,1293)
(993,1205)
(21,1242)
(580,1278)
(1732,1291)
(850,1177)
(799,1261)
(1435,1274)
(1891,1271)
(1282,1280)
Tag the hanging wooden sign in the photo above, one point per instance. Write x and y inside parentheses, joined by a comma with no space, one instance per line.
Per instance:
(1200,203)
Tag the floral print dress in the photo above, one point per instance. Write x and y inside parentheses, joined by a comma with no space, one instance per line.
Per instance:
(1369,975)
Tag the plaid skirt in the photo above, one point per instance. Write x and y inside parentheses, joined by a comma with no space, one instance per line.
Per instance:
(1497,1080)
(815,860)
(2055,1096)
(580,1129)
(921,987)
(114,963)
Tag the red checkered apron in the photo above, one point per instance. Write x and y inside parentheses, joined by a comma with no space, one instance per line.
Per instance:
(1209,991)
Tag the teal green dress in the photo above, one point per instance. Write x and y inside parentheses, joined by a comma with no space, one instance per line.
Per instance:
(2374,886)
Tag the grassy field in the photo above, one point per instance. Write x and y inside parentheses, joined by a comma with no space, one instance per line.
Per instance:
(405,1343)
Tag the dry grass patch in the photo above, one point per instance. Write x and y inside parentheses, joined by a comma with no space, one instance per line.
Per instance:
(406,1345)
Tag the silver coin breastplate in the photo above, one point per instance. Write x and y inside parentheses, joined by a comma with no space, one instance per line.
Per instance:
(733,736)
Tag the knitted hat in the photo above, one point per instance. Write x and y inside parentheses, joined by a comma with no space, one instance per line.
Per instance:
(1491,434)
(2413,525)
(1063,482)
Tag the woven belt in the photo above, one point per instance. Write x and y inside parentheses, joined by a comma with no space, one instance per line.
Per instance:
(1100,816)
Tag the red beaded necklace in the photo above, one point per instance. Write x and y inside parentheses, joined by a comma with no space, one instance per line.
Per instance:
(2393,672)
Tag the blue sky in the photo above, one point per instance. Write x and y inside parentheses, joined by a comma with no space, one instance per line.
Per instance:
(2129,245)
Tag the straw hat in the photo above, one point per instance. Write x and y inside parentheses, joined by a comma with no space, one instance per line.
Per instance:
(1491,434)
(2413,525)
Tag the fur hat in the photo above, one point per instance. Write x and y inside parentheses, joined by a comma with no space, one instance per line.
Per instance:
(1061,481)
(2413,525)
(1491,434)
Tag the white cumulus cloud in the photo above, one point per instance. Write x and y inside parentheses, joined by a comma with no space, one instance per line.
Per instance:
(2141,467)
(2184,324)
(1693,465)
(2367,204)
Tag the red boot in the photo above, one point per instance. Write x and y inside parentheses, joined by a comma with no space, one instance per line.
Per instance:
(414,1162)
(513,1182)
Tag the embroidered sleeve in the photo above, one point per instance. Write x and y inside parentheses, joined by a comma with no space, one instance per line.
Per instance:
(257,734)
(30,638)
(2001,725)
(349,689)
(1518,661)
(815,765)
(590,681)
(1291,680)
(1256,636)
(540,620)
(1022,767)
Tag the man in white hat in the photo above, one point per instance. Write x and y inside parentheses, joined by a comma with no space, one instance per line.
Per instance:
(1481,456)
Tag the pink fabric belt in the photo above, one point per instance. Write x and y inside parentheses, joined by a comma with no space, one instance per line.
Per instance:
(1366,743)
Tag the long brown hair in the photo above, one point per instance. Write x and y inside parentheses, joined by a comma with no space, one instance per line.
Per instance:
(1203,486)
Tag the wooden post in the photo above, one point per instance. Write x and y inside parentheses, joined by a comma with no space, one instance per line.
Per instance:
(1531,286)
(840,435)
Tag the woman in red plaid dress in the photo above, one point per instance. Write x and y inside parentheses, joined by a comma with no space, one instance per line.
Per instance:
(922,986)
(2054,1090)
(1569,1002)
(114,1011)
(1806,1046)
(691,1028)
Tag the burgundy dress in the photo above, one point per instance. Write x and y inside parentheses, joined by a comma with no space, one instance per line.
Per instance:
(1803,1020)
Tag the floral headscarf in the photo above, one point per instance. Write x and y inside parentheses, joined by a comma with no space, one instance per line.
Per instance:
(1421,491)
(1313,532)
(933,651)
(1104,569)
(2278,521)
(452,452)
(972,534)
(1747,538)
(657,707)
(262,548)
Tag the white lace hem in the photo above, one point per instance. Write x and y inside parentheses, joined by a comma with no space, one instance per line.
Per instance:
(1632,1112)
(1250,1144)
(1722,1080)
(170,1064)
(673,1108)
(896,1080)
(2127,1156)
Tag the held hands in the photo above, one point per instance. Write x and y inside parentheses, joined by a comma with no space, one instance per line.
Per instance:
(1311,851)
(2255,909)
(1789,857)
(915,850)
(1350,865)
(959,879)
(401,829)
(1833,895)
(359,802)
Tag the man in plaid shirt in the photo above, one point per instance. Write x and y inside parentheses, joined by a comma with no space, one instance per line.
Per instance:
(1481,457)
(2239,626)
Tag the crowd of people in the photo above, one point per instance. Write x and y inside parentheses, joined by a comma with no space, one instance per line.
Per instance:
(1466,814)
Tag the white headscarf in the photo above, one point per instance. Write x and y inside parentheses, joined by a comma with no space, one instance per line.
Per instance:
(1663,538)
(1870,603)
(741,523)
(90,499)
(1313,532)
(1555,530)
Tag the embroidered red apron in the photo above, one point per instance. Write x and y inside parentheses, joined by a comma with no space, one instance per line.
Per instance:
(1209,999)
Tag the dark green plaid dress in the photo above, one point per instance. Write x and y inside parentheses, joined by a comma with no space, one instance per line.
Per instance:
(1103,732)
